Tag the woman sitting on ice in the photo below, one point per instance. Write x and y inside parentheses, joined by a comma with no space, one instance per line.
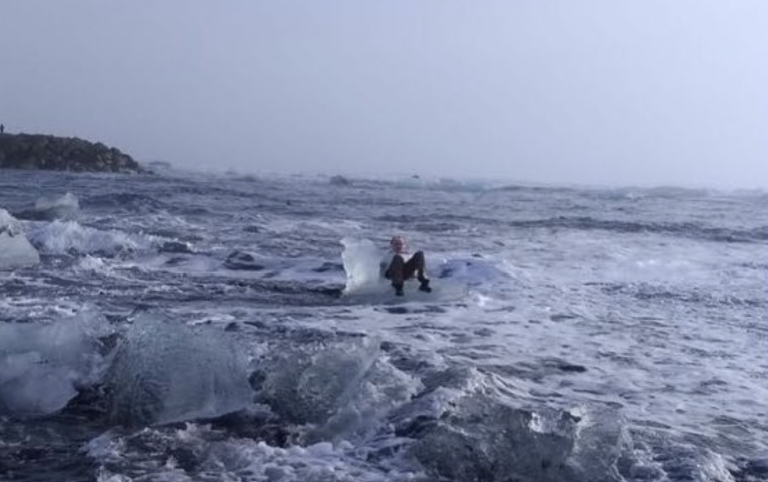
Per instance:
(397,269)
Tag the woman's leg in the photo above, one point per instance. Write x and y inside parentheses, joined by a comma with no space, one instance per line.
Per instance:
(416,265)
(396,271)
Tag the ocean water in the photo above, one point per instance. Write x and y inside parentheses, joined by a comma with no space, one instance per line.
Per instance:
(186,327)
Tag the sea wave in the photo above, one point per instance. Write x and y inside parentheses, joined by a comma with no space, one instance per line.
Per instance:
(688,230)
(70,237)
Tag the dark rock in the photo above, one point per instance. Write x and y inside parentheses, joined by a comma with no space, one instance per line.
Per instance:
(397,310)
(174,247)
(176,260)
(41,152)
(329,266)
(339,181)
(568,367)
(243,261)
(561,317)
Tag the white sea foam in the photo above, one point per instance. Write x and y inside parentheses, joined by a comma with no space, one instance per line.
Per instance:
(64,237)
(245,459)
(91,263)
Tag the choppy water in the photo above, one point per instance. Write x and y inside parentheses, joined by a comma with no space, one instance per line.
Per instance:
(192,327)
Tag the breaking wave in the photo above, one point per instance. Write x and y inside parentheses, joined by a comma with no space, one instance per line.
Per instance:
(70,237)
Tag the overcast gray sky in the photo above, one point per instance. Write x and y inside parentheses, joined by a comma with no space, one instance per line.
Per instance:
(616,92)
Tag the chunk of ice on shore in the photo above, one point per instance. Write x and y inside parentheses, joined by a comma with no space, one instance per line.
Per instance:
(15,249)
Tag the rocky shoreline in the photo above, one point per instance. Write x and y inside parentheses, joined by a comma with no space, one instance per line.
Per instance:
(44,152)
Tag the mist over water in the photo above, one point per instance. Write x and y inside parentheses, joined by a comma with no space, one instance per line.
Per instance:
(195,327)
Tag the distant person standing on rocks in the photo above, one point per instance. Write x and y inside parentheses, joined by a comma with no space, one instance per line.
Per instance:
(2,128)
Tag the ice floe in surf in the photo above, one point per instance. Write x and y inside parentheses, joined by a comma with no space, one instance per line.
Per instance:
(42,366)
(165,371)
(15,249)
(341,388)
(451,278)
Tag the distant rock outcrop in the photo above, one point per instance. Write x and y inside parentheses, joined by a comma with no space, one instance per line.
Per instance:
(340,181)
(34,151)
